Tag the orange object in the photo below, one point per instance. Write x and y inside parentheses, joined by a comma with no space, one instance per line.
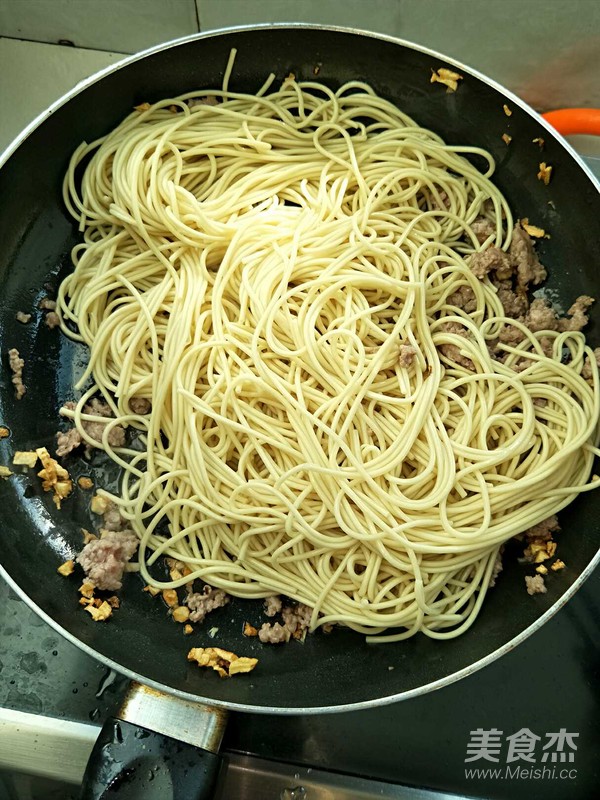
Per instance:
(575,120)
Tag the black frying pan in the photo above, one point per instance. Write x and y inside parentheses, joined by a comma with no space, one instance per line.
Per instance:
(326,673)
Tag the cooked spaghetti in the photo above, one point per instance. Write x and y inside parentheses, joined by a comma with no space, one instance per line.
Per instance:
(276,274)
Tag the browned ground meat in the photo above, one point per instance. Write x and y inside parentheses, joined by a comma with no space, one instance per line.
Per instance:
(521,364)
(541,316)
(538,316)
(98,408)
(587,367)
(521,261)
(483,228)
(543,530)
(52,319)
(139,405)
(512,274)
(115,438)
(496,569)
(71,439)
(296,620)
(529,269)
(16,364)
(272,605)
(112,519)
(535,584)
(274,633)
(511,335)
(21,316)
(578,314)
(494,350)
(452,351)
(202,603)
(443,203)
(67,441)
(490,259)
(515,304)
(46,304)
(407,355)
(203,101)
(547,345)
(464,298)
(104,559)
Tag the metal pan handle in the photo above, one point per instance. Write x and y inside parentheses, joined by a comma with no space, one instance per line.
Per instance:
(157,748)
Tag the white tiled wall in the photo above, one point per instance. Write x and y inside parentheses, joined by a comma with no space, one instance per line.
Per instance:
(122,25)
(33,75)
(548,51)
(383,16)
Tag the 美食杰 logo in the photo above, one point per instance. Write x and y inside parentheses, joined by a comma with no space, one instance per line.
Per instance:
(523,754)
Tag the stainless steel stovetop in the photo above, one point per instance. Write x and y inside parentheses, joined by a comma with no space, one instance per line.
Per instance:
(53,699)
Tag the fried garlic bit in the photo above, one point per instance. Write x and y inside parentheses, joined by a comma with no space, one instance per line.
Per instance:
(447,77)
(4,432)
(506,138)
(54,477)
(249,630)
(87,536)
(222,661)
(101,612)
(85,483)
(181,614)
(66,568)
(538,551)
(5,472)
(187,629)
(539,141)
(507,110)
(142,107)
(558,565)
(545,173)
(533,230)
(99,504)
(170,597)
(25,458)
(87,590)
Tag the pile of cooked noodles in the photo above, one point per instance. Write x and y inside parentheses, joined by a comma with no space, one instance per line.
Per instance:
(277,274)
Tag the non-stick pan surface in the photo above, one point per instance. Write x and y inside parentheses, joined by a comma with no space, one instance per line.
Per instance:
(36,235)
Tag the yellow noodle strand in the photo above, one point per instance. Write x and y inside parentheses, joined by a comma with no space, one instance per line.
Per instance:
(252,267)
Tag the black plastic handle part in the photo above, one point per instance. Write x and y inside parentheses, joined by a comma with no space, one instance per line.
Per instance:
(132,763)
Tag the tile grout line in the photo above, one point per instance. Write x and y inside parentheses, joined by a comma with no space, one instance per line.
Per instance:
(65,46)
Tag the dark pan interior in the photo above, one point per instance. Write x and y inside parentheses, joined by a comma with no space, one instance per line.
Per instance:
(36,238)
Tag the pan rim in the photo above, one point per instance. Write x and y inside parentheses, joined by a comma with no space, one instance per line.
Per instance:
(217,32)
(310,710)
(365,704)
